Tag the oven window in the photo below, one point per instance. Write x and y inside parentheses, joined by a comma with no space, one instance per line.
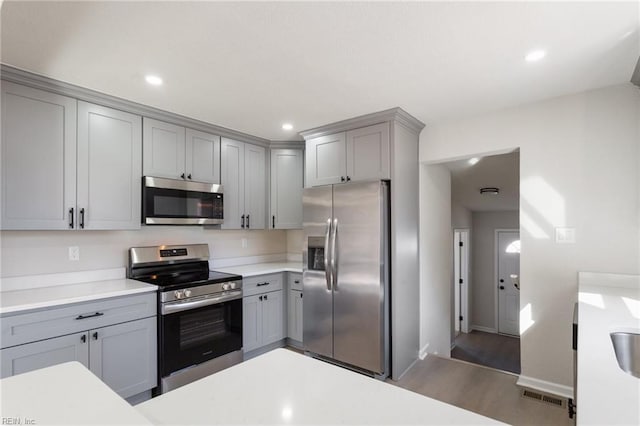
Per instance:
(173,203)
(194,336)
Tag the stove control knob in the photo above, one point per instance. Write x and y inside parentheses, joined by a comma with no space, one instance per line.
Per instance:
(187,293)
(178,294)
(226,286)
(232,285)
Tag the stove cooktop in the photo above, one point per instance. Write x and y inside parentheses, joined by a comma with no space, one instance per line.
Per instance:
(183,279)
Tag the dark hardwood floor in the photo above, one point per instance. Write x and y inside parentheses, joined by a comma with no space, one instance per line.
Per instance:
(488,349)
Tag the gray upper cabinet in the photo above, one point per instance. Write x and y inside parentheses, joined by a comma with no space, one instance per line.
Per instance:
(355,155)
(55,178)
(286,189)
(176,152)
(109,168)
(326,160)
(243,178)
(38,158)
(368,152)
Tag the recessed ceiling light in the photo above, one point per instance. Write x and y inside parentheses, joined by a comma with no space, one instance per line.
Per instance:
(535,55)
(287,126)
(473,160)
(153,80)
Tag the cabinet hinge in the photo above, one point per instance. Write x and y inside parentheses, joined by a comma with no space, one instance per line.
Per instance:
(461,318)
(460,281)
(460,244)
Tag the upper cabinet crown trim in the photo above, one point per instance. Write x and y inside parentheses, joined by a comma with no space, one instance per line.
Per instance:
(393,114)
(38,81)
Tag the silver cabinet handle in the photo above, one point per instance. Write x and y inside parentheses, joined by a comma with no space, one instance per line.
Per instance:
(327,271)
(334,254)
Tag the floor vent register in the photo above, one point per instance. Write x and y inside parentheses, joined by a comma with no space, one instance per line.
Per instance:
(547,399)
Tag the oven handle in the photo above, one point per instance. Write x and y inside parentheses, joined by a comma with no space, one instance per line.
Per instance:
(179,306)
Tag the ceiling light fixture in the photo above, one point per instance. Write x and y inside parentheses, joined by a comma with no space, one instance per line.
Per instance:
(154,80)
(474,160)
(535,56)
(489,190)
(287,126)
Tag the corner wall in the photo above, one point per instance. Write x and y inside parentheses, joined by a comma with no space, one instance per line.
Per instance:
(579,168)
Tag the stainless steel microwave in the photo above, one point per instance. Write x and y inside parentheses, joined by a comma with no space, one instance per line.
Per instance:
(179,202)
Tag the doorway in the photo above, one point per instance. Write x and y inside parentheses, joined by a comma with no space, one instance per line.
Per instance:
(486,252)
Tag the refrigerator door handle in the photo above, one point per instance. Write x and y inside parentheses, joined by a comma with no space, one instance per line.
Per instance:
(334,254)
(327,270)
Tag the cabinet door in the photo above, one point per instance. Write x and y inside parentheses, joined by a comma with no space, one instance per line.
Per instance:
(38,158)
(286,189)
(232,179)
(255,186)
(251,328)
(124,356)
(272,318)
(45,353)
(294,317)
(109,168)
(202,156)
(368,153)
(163,149)
(325,160)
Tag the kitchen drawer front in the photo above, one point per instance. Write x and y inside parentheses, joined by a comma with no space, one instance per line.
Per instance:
(45,324)
(261,284)
(295,281)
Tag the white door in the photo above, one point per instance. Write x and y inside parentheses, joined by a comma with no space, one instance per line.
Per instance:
(255,187)
(461,280)
(202,156)
(232,179)
(38,159)
(508,243)
(163,149)
(368,153)
(109,168)
(325,160)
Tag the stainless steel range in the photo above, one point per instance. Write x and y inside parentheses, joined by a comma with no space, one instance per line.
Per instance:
(200,312)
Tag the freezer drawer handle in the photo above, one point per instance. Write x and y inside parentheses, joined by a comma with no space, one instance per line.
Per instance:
(261,284)
(97,314)
(327,271)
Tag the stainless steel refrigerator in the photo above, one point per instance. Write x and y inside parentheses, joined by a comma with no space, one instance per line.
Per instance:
(346,274)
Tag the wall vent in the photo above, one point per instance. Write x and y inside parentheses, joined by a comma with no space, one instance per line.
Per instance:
(547,399)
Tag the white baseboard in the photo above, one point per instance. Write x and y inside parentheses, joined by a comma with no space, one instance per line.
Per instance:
(423,352)
(544,386)
(483,328)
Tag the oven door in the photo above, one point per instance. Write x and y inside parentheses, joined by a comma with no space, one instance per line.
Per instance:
(191,336)
(176,202)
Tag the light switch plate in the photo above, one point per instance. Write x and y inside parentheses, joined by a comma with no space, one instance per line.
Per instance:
(566,235)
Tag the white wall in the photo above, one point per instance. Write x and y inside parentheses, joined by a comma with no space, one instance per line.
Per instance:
(43,252)
(460,216)
(436,261)
(483,268)
(579,167)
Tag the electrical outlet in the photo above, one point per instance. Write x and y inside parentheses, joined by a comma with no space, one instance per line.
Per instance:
(74,253)
(244,242)
(566,235)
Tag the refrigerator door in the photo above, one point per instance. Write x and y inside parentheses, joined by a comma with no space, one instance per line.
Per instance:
(317,333)
(361,241)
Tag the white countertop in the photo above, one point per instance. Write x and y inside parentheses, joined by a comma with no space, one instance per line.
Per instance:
(66,394)
(19,301)
(606,394)
(262,268)
(284,387)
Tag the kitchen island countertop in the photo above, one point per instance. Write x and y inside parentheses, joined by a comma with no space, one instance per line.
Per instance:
(284,387)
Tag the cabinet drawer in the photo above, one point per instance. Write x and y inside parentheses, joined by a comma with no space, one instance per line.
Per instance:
(261,284)
(295,281)
(45,324)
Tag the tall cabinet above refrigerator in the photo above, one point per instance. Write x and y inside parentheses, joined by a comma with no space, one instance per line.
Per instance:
(346,275)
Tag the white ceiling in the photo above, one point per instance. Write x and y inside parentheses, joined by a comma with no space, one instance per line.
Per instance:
(252,66)
(498,171)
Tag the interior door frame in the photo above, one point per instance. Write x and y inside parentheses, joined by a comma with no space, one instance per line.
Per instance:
(495,274)
(464,293)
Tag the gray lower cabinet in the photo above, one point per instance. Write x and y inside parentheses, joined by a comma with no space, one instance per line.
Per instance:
(294,329)
(262,320)
(119,343)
